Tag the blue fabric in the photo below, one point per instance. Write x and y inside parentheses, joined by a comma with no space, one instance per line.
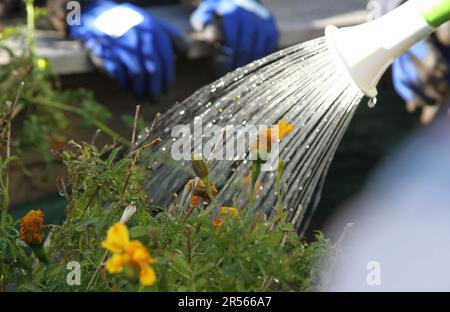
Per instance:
(246,35)
(141,60)
(404,72)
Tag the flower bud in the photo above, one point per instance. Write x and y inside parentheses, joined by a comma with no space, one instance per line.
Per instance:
(32,233)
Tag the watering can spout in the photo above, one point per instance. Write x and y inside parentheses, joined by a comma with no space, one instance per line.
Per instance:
(367,50)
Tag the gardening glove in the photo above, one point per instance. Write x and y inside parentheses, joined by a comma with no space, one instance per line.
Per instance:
(132,46)
(421,77)
(248,29)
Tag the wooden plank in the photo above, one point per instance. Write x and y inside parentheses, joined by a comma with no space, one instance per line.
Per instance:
(297,21)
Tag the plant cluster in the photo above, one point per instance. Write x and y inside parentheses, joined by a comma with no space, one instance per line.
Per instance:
(118,240)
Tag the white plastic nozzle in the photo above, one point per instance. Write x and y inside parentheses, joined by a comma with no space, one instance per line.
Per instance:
(367,50)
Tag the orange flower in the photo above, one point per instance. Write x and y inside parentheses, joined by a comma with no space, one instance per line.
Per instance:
(196,200)
(200,193)
(265,137)
(32,228)
(225,212)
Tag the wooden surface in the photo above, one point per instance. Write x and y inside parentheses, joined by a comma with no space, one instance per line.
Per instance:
(297,20)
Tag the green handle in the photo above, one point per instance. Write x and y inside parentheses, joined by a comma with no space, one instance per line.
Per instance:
(435,12)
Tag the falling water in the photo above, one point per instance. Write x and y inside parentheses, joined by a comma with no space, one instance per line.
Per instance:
(300,84)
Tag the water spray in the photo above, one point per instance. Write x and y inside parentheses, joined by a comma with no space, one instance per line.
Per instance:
(316,86)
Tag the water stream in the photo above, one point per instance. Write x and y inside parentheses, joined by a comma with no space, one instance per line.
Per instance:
(300,84)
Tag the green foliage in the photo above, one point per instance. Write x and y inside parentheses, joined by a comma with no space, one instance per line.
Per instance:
(246,253)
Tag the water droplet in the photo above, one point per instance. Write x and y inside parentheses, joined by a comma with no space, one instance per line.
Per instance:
(372,102)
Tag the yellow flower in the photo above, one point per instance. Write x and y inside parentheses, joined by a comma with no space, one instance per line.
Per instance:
(130,255)
(137,254)
(115,264)
(265,137)
(224,212)
(117,238)
(147,276)
(138,257)
(32,228)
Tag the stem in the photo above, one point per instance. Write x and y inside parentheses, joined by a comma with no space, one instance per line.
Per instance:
(127,181)
(4,178)
(91,199)
(278,185)
(136,116)
(5,203)
(92,280)
(30,26)
(215,208)
(256,170)
(189,244)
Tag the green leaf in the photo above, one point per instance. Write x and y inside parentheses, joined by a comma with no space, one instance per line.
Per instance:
(80,227)
(139,231)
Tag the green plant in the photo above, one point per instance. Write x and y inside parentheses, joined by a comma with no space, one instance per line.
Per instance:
(196,248)
(244,253)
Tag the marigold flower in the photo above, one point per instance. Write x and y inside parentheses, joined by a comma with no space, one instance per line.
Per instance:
(265,137)
(32,228)
(196,200)
(116,238)
(147,276)
(224,213)
(201,194)
(115,264)
(129,256)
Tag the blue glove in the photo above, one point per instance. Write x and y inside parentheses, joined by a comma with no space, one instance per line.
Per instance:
(248,29)
(421,75)
(132,46)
